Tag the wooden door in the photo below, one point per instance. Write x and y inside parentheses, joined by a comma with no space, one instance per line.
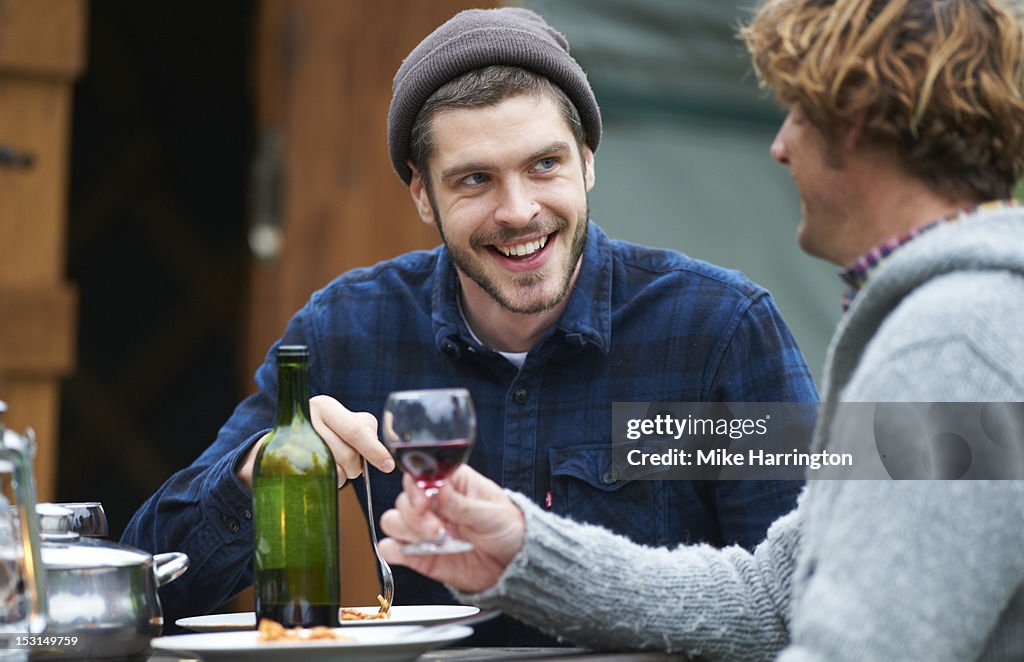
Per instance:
(328,200)
(42,51)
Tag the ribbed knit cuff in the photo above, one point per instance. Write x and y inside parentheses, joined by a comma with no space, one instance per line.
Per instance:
(595,589)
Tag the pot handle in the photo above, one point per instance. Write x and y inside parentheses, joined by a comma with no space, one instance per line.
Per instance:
(169,566)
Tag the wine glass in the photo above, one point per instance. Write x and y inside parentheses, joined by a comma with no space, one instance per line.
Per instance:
(430,433)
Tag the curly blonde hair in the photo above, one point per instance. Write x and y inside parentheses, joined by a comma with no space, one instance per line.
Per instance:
(942,80)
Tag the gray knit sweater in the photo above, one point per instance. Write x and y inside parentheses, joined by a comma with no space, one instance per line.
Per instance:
(861,570)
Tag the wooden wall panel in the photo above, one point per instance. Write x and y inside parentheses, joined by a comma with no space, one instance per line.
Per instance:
(34,402)
(42,46)
(37,330)
(43,37)
(33,198)
(323,81)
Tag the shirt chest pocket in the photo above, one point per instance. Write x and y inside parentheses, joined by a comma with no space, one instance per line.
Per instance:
(582,489)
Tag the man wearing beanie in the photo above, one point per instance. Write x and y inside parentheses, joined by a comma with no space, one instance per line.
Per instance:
(904,134)
(526,303)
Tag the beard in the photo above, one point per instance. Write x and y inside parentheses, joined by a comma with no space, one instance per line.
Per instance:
(519,293)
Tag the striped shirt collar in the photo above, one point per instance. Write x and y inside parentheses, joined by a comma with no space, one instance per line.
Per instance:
(857,274)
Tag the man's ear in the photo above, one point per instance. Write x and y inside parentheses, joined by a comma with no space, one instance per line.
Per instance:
(854,133)
(418,191)
(588,167)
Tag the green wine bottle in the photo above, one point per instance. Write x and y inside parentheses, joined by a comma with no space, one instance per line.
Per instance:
(295,509)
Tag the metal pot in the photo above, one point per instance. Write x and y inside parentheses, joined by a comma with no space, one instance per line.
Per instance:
(101,593)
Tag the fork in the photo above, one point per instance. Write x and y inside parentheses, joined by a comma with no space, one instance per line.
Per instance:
(387,579)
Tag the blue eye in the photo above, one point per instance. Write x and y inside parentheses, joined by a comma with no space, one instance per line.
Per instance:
(546,164)
(475,179)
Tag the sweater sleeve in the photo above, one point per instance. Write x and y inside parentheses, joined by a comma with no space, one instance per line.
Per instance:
(599,590)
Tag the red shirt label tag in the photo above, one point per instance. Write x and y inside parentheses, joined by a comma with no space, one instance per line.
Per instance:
(547,500)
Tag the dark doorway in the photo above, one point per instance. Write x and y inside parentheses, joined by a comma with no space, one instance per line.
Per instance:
(161,142)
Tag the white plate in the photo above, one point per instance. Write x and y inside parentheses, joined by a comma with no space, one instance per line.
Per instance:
(400,615)
(369,645)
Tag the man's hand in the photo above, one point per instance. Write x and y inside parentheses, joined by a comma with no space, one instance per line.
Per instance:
(470,507)
(350,435)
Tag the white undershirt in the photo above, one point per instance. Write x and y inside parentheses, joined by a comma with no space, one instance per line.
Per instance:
(515,358)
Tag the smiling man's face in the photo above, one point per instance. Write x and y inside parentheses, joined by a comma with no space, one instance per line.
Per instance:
(830,226)
(508,191)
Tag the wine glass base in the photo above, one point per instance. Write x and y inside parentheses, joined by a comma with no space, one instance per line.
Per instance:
(445,546)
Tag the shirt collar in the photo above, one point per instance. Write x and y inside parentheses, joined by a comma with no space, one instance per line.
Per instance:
(587,316)
(861,269)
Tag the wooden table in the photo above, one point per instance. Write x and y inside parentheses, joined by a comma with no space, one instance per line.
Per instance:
(487,654)
(573,654)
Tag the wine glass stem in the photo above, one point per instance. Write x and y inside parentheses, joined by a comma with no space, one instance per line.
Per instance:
(432,493)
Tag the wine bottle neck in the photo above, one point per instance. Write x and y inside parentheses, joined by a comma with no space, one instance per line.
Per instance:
(293,392)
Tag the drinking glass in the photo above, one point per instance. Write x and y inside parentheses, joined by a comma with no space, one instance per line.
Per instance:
(88,519)
(430,433)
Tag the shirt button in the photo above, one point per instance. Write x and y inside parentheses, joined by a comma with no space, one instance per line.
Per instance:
(520,396)
(608,478)
(244,513)
(233,525)
(448,348)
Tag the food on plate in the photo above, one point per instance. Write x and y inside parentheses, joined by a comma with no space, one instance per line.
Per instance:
(273,631)
(348,614)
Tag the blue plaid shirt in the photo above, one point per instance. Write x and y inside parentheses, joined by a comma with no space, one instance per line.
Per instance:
(642,324)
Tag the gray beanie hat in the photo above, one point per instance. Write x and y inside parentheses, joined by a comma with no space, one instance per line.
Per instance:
(477,38)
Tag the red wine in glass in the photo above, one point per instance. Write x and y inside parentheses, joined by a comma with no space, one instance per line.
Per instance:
(430,432)
(430,463)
